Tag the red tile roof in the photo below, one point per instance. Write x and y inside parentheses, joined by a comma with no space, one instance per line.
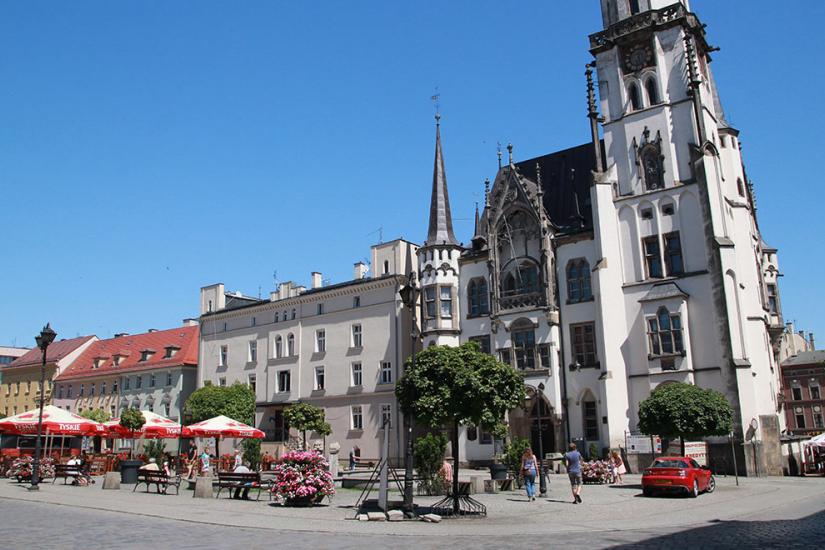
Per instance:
(55,352)
(129,348)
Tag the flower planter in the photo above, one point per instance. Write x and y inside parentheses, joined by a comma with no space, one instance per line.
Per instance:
(302,478)
(498,471)
(129,470)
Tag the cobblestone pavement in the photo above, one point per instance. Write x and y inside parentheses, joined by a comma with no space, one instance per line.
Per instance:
(772,513)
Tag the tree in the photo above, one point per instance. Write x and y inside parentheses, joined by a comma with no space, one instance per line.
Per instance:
(98,415)
(429,457)
(132,420)
(305,417)
(685,411)
(453,386)
(236,402)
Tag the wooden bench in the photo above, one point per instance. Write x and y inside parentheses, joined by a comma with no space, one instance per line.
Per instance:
(238,481)
(67,471)
(157,478)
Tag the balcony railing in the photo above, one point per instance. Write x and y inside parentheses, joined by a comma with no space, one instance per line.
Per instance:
(637,22)
(516,301)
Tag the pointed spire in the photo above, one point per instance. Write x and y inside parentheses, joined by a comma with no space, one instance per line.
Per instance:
(441,220)
(475,227)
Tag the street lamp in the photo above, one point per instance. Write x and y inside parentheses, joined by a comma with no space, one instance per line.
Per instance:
(46,337)
(542,480)
(409,295)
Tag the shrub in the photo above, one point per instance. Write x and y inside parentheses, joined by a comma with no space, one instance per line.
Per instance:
(156,449)
(302,476)
(513,452)
(252,452)
(429,457)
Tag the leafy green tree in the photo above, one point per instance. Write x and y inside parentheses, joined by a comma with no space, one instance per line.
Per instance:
(252,452)
(132,420)
(236,402)
(685,411)
(305,417)
(450,386)
(156,449)
(97,415)
(513,452)
(429,456)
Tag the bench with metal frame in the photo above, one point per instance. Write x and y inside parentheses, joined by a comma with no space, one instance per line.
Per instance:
(67,471)
(157,478)
(239,481)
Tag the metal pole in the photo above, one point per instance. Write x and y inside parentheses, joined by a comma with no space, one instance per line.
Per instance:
(733,453)
(36,465)
(408,506)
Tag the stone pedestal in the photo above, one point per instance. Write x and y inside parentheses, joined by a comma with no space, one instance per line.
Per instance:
(490,486)
(203,487)
(111,480)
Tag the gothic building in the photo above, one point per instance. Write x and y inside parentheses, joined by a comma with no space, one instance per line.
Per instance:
(608,269)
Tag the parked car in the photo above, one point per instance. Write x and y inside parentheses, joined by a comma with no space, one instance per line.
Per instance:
(677,474)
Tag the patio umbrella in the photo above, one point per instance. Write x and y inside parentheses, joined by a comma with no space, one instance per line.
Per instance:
(56,421)
(222,426)
(818,441)
(155,427)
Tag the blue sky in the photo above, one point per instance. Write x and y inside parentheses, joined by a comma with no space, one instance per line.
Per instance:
(151,148)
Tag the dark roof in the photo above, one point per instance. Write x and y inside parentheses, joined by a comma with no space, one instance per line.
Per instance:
(565,179)
(663,291)
(805,358)
(441,221)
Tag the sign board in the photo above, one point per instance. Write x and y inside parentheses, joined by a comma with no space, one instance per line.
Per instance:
(641,444)
(698,451)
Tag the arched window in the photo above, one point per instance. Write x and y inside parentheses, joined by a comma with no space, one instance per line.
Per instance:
(578,281)
(386,267)
(635,97)
(652,168)
(276,316)
(279,347)
(290,345)
(293,315)
(652,91)
(478,298)
(665,333)
(524,279)
(590,416)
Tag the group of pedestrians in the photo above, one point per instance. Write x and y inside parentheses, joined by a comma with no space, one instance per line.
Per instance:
(573,462)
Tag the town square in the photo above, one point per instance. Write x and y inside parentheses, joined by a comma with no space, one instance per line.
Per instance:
(600,330)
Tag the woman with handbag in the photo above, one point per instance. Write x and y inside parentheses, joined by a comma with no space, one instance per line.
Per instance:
(529,468)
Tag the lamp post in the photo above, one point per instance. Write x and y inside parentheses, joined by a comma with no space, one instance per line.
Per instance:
(409,295)
(46,337)
(542,480)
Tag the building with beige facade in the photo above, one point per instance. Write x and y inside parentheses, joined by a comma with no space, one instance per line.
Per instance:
(20,387)
(340,347)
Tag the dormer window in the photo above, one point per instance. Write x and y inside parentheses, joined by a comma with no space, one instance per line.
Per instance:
(117,360)
(146,354)
(98,362)
(170,352)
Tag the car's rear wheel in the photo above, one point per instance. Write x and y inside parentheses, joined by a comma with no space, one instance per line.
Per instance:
(711,485)
(695,491)
(647,491)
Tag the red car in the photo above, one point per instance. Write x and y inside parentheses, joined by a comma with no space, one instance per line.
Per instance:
(677,474)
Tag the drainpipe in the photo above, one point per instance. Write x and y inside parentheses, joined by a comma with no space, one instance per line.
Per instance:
(561,350)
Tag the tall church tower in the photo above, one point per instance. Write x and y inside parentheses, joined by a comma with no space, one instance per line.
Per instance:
(673,209)
(438,262)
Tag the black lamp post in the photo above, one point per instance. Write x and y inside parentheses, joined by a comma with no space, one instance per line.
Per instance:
(46,337)
(409,295)
(542,480)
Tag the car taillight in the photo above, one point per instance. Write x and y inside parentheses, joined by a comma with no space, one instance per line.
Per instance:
(682,473)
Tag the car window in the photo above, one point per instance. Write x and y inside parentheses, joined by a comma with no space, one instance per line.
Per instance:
(694,464)
(669,463)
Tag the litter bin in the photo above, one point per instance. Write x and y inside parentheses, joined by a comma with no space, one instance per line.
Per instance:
(498,471)
(129,470)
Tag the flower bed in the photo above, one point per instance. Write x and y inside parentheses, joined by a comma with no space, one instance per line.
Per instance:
(302,478)
(21,468)
(596,472)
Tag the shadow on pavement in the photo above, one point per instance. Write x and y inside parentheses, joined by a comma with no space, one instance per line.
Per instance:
(634,486)
(744,534)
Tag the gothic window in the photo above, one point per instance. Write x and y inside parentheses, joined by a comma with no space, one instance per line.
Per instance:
(477,297)
(665,333)
(578,281)
(429,301)
(524,342)
(772,307)
(652,91)
(653,262)
(674,263)
(635,97)
(652,169)
(483,342)
(590,415)
(290,345)
(524,279)
(583,337)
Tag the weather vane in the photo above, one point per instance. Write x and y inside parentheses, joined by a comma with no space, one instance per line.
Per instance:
(435,98)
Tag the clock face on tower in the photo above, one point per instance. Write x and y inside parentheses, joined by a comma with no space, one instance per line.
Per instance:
(638,57)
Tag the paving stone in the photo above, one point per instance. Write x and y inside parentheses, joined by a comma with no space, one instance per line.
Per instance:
(395,515)
(377,516)
(431,518)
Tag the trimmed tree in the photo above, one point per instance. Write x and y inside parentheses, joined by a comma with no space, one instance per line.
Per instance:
(97,415)
(236,402)
(685,411)
(132,420)
(451,386)
(305,417)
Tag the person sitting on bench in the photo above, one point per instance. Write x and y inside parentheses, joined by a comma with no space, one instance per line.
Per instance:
(242,486)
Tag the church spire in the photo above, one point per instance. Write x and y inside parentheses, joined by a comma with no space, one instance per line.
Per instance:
(441,220)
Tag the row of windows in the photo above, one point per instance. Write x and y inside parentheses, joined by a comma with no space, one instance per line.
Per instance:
(637,100)
(814,391)
(671,254)
(356,341)
(284,377)
(28,387)
(801,422)
(440,304)
(101,388)
(357,416)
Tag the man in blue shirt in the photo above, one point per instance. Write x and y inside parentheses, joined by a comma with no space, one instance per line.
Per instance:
(573,461)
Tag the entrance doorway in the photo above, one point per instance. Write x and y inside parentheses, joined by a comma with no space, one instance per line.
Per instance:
(541,415)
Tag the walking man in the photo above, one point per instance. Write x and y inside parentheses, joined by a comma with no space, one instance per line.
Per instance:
(573,461)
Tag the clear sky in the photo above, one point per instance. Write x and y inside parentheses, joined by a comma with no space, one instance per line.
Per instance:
(151,148)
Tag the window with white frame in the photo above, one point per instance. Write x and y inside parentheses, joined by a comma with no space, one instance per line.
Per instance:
(171,351)
(816,394)
(91,390)
(127,383)
(290,345)
(796,392)
(386,414)
(114,387)
(82,390)
(356,336)
(279,347)
(253,351)
(478,297)
(446,299)
(357,375)
(223,357)
(284,379)
(251,381)
(319,378)
(578,281)
(152,380)
(429,301)
(222,381)
(665,333)
(386,372)
(103,388)
(653,262)
(320,341)
(357,422)
(583,336)
(169,378)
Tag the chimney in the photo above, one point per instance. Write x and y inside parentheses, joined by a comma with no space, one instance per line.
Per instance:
(121,334)
(317,282)
(360,270)
(190,322)
(811,339)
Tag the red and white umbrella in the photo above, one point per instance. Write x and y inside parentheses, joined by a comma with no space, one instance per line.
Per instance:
(56,421)
(222,426)
(155,427)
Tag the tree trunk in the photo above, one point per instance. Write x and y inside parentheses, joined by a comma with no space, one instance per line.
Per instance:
(682,443)
(305,440)
(455,469)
